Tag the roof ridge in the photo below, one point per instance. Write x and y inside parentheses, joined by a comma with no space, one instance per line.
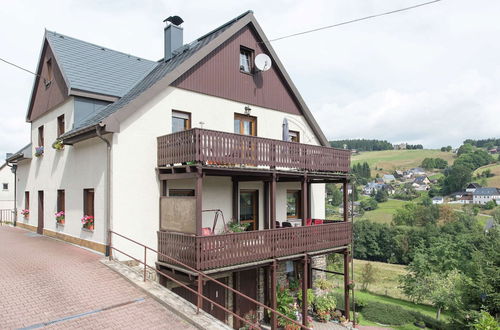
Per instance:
(225,24)
(98,46)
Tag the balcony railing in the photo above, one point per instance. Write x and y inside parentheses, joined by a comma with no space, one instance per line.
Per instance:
(208,252)
(228,149)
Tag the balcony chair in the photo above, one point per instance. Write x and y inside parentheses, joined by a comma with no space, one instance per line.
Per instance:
(287,224)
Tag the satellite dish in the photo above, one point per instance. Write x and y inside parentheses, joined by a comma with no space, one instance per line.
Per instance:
(263,62)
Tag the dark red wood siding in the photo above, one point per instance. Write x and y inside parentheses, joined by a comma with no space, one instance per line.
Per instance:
(218,74)
(45,98)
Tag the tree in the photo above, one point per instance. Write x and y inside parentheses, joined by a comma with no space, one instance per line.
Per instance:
(445,291)
(486,322)
(456,178)
(368,273)
(465,149)
(381,196)
(368,204)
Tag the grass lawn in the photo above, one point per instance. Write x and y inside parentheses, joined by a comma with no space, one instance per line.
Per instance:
(384,212)
(495,169)
(390,160)
(436,176)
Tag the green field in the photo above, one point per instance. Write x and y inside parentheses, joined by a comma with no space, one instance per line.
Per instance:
(390,160)
(495,169)
(384,212)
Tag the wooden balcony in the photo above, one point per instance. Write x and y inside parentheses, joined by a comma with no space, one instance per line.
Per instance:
(209,147)
(217,251)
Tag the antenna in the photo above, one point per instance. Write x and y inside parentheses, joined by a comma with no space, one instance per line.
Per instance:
(263,62)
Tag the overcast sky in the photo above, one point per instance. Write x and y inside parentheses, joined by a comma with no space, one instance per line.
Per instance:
(430,75)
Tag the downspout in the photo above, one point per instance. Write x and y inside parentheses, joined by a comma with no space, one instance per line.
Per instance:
(107,202)
(14,170)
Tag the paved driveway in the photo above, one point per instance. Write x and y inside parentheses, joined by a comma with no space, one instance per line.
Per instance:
(48,283)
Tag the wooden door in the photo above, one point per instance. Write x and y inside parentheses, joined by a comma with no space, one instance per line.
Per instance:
(247,284)
(39,229)
(245,125)
(249,209)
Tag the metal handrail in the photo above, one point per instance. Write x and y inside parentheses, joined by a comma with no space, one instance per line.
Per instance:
(201,276)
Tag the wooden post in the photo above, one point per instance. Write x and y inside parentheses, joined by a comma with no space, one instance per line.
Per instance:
(304,200)
(267,225)
(346,201)
(274,320)
(272,207)
(346,285)
(236,212)
(309,213)
(305,281)
(199,300)
(199,194)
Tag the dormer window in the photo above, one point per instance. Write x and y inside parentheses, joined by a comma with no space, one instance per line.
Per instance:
(246,60)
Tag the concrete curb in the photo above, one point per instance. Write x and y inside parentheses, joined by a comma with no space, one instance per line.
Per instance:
(167,298)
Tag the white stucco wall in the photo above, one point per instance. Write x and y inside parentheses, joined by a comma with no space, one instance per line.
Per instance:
(73,169)
(6,195)
(136,187)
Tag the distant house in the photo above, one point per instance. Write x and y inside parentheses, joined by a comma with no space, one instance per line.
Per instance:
(398,174)
(494,151)
(374,187)
(437,200)
(417,171)
(471,187)
(423,179)
(6,187)
(484,195)
(400,146)
(388,178)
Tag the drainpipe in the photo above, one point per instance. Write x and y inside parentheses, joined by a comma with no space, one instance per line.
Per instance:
(13,168)
(107,202)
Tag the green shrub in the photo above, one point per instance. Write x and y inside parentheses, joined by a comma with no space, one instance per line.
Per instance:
(429,321)
(359,302)
(387,314)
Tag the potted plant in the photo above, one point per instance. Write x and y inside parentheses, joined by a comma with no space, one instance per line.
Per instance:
(25,213)
(60,218)
(58,144)
(235,227)
(39,151)
(88,222)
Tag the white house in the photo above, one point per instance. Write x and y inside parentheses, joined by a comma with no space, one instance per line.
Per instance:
(484,195)
(437,200)
(154,149)
(6,188)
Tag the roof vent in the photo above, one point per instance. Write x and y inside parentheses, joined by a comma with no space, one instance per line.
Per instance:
(173,36)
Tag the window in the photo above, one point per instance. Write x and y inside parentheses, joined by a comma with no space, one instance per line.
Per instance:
(61,201)
(60,125)
(294,136)
(181,192)
(40,136)
(48,79)
(292,203)
(26,200)
(5,186)
(181,121)
(246,60)
(245,125)
(88,202)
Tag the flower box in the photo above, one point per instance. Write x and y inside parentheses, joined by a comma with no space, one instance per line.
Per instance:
(58,144)
(88,222)
(39,151)
(60,218)
(25,213)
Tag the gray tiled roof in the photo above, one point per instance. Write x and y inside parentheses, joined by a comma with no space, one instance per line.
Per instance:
(487,191)
(97,69)
(157,73)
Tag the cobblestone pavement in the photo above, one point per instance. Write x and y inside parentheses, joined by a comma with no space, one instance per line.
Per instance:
(46,282)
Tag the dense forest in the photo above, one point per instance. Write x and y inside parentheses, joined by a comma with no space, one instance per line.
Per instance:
(485,143)
(362,144)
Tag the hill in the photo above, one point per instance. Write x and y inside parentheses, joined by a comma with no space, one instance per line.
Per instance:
(390,160)
(495,169)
